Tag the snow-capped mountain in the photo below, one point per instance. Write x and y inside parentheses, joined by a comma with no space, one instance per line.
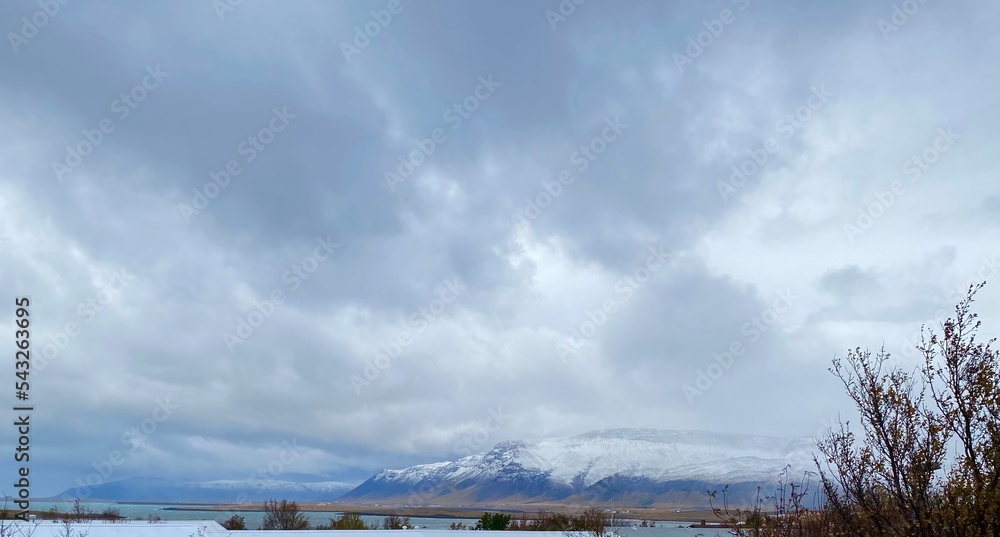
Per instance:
(634,466)
(168,490)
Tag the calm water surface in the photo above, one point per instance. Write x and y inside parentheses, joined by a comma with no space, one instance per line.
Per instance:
(254,518)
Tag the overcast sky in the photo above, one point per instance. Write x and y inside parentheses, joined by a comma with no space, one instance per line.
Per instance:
(223,215)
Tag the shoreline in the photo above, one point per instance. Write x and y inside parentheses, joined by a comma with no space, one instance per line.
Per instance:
(637,514)
(317,509)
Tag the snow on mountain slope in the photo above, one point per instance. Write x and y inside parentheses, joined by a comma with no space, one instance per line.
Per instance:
(655,454)
(605,461)
(663,455)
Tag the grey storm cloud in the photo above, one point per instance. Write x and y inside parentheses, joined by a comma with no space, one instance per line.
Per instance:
(488,179)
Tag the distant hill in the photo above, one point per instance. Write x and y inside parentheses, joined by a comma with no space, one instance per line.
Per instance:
(637,467)
(167,490)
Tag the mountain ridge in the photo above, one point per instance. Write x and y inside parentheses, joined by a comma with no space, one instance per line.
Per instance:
(640,467)
(650,466)
(175,490)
